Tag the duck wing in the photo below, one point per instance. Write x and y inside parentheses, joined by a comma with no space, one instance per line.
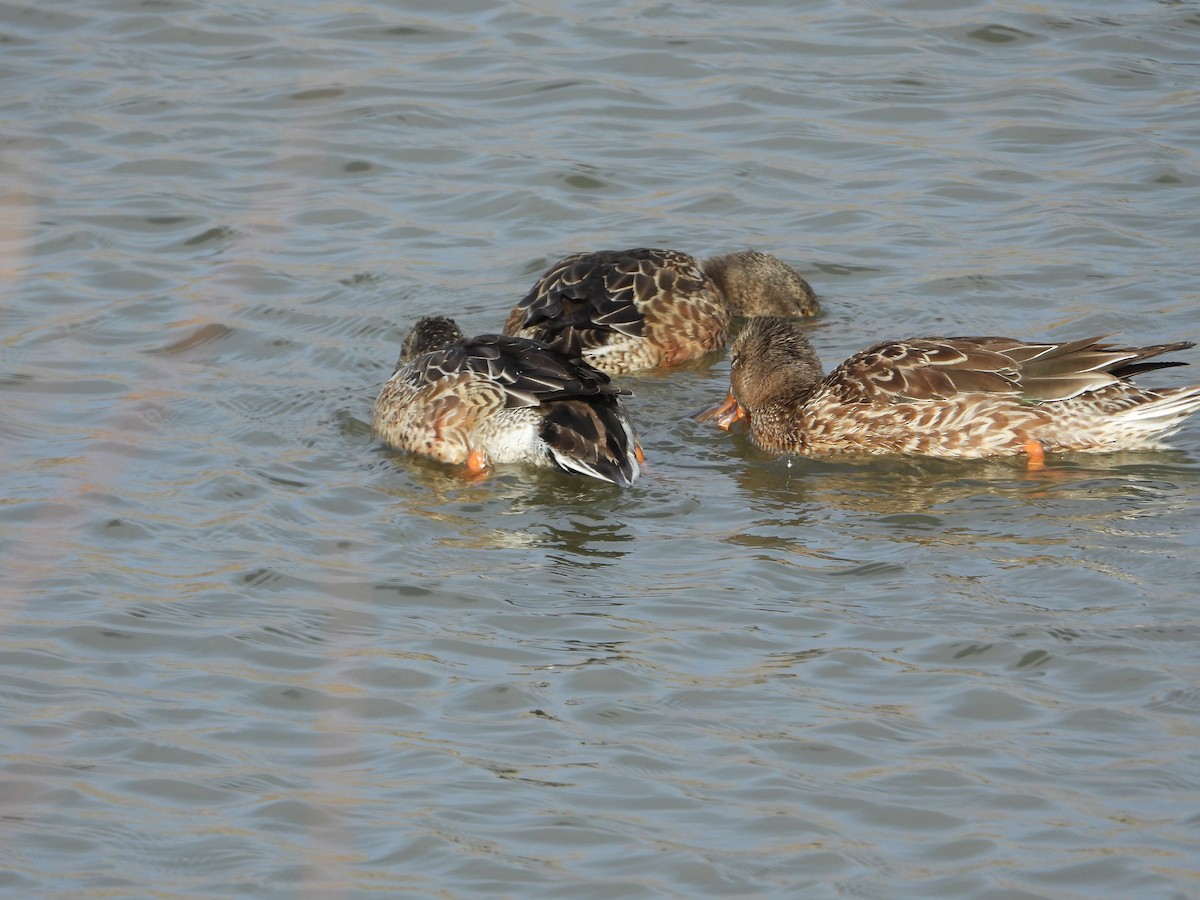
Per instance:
(592,436)
(609,290)
(527,371)
(943,368)
(923,369)
(1050,372)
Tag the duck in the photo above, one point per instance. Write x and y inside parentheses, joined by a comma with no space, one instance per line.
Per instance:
(492,399)
(955,397)
(646,308)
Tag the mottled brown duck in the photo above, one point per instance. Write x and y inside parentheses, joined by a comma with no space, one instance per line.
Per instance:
(949,397)
(630,310)
(492,399)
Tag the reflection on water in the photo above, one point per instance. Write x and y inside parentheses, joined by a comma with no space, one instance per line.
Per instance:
(510,509)
(247,652)
(900,486)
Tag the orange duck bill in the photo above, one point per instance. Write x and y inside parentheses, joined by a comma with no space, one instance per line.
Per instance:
(725,413)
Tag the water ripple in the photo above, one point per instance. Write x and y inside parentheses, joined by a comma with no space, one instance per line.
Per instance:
(248,652)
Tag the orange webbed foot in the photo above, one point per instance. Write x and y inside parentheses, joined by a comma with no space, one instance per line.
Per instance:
(1037,455)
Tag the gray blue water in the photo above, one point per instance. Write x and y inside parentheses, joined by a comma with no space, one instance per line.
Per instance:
(245,652)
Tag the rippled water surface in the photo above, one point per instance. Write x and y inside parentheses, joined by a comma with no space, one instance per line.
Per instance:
(245,652)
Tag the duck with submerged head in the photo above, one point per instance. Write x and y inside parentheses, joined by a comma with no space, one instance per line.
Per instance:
(497,399)
(961,397)
(646,308)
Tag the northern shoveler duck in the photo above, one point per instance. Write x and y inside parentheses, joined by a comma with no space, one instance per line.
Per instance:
(500,399)
(949,397)
(643,308)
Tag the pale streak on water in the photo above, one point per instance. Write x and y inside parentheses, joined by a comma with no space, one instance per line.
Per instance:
(243,652)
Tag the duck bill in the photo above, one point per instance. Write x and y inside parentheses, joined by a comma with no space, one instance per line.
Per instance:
(725,413)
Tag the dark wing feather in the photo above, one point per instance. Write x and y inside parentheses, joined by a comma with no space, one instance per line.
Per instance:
(606,290)
(1129,371)
(1135,366)
(529,372)
(593,436)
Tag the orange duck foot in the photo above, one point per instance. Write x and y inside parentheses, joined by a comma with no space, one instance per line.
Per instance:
(1037,455)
